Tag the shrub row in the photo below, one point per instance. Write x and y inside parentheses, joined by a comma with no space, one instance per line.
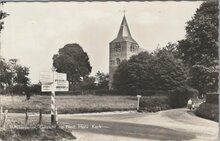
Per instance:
(180,96)
(115,92)
(154,103)
(208,111)
(212,98)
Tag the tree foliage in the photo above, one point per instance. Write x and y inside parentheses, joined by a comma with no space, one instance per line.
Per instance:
(156,71)
(200,50)
(14,76)
(5,73)
(2,16)
(102,80)
(88,83)
(71,59)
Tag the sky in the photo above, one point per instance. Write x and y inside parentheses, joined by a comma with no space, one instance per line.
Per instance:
(35,31)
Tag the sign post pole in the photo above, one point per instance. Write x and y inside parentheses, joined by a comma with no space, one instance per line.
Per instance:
(52,82)
(53,101)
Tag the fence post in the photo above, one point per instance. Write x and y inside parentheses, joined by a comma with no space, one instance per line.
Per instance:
(138,103)
(1,113)
(5,118)
(40,116)
(26,116)
(56,116)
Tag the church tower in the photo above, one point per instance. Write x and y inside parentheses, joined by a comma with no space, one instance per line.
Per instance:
(121,48)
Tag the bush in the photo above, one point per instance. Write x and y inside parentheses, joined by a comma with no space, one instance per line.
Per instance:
(180,96)
(212,98)
(115,92)
(208,111)
(154,103)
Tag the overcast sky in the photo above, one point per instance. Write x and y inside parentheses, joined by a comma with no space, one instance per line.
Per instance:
(34,32)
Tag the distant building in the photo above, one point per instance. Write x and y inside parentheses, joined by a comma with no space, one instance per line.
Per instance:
(121,48)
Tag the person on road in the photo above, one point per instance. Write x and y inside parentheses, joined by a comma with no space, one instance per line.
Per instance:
(189,104)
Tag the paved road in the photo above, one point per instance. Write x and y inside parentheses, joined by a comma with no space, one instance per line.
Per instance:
(177,124)
(170,125)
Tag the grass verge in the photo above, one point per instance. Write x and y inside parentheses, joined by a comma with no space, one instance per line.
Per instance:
(68,104)
(35,133)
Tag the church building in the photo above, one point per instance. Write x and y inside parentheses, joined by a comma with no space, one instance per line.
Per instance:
(121,48)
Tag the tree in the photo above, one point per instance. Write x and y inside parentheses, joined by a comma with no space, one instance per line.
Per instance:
(169,71)
(14,76)
(88,83)
(71,59)
(145,71)
(102,80)
(2,16)
(21,76)
(200,50)
(5,73)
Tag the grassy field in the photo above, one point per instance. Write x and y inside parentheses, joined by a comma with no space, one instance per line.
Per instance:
(70,104)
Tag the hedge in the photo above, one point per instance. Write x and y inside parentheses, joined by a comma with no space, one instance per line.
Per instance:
(180,96)
(208,111)
(115,92)
(154,103)
(212,98)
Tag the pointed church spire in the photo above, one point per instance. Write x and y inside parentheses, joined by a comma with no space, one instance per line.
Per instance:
(124,29)
(124,32)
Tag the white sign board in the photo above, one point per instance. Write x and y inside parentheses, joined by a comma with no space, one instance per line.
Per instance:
(61,86)
(46,77)
(59,76)
(46,87)
(53,82)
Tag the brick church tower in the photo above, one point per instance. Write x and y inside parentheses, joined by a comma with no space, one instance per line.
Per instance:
(121,48)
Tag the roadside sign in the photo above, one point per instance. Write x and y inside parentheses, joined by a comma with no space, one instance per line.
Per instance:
(59,76)
(61,86)
(46,87)
(46,77)
(53,82)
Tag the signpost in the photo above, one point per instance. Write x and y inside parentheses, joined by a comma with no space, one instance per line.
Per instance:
(46,87)
(61,86)
(59,76)
(46,77)
(53,82)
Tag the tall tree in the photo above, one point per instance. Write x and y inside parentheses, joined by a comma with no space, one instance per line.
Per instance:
(159,70)
(200,50)
(71,59)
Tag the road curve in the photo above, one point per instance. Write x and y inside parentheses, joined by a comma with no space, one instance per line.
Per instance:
(176,124)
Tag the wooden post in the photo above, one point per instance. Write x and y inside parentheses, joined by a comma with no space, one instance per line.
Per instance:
(40,116)
(56,116)
(1,113)
(138,103)
(26,116)
(5,118)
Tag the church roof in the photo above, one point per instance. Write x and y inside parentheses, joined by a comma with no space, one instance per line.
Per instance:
(124,33)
